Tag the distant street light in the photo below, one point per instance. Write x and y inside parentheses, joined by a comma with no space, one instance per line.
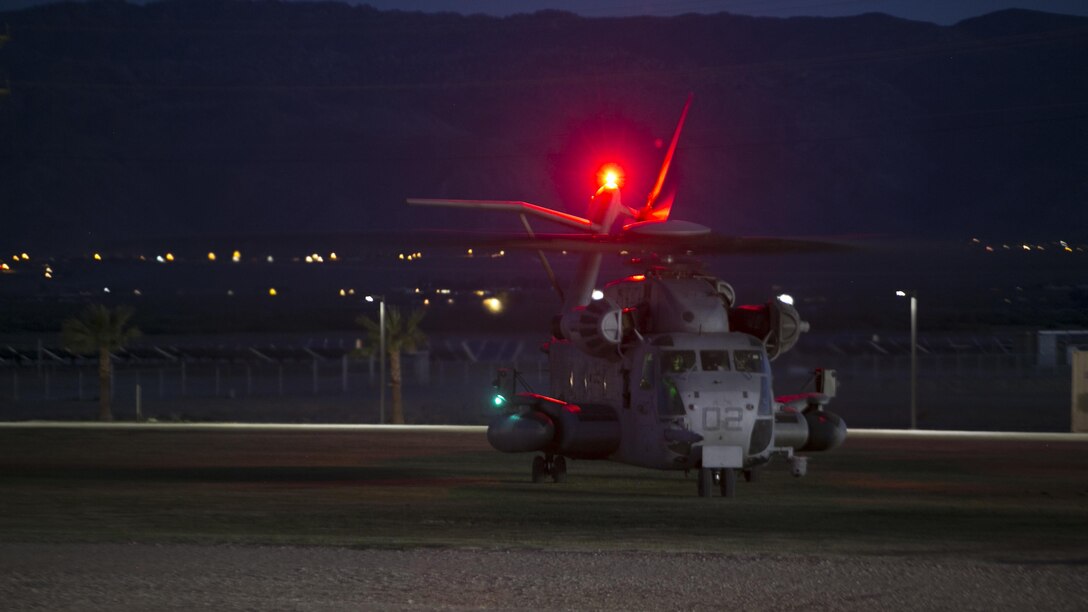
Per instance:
(913,295)
(381,355)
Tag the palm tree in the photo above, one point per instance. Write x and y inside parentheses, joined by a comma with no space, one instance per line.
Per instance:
(103,330)
(401,334)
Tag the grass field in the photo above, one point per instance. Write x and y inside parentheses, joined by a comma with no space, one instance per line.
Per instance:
(947,496)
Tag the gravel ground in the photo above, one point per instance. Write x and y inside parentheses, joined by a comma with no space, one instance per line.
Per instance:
(186,577)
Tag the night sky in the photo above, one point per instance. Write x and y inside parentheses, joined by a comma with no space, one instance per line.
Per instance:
(194,127)
(936,11)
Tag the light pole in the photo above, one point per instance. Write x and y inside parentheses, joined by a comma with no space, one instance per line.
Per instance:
(913,295)
(381,354)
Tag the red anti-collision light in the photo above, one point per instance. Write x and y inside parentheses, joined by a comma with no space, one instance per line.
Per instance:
(611,176)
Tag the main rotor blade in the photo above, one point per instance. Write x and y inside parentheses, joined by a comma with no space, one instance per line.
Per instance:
(512,206)
(668,160)
(699,245)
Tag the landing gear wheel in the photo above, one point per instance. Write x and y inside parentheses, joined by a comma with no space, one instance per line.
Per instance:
(728,481)
(706,482)
(540,469)
(750,475)
(559,469)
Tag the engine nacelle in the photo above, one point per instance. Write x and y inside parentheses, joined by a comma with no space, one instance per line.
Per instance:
(596,328)
(586,431)
(776,323)
(521,433)
(811,430)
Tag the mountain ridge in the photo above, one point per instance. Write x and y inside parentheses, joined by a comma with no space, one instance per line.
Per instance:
(196,117)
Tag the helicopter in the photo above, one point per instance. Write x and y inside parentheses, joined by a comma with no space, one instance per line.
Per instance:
(660,369)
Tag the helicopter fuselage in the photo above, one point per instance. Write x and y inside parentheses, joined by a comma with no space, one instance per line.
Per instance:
(650,374)
(659,369)
(681,400)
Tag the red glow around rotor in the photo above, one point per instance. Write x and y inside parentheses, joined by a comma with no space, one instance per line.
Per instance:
(610,175)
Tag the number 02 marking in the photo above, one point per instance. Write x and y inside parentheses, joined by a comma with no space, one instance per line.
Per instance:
(728,419)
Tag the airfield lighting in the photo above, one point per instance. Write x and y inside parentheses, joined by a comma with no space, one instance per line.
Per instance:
(270,259)
(24,256)
(97,257)
(160,259)
(211,256)
(236,256)
(272,291)
(169,257)
(913,355)
(333,257)
(381,353)
(5,267)
(786,298)
(498,400)
(597,294)
(493,305)
(105,289)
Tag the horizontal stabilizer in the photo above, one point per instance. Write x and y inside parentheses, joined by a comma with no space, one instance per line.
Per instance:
(675,228)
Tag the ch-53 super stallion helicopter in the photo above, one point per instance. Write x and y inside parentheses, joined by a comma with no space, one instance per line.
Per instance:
(660,369)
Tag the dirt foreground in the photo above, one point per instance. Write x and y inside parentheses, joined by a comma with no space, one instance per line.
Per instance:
(187,577)
(329,518)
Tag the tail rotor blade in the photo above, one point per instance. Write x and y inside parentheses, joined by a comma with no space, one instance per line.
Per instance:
(647,211)
(662,210)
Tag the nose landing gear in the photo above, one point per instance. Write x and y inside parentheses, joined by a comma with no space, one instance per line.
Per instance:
(724,478)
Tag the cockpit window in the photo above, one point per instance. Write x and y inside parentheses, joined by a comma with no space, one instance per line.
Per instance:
(714,361)
(670,404)
(673,362)
(749,361)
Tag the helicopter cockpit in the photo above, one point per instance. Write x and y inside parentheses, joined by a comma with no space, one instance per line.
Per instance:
(715,385)
(713,360)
